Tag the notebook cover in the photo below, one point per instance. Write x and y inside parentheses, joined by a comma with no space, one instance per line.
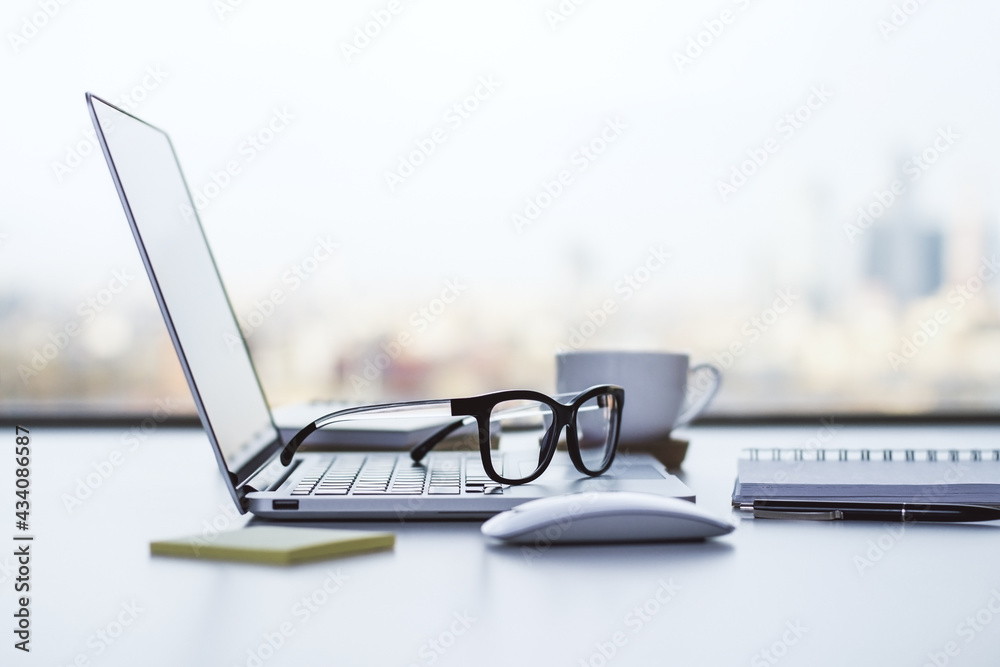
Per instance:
(938,480)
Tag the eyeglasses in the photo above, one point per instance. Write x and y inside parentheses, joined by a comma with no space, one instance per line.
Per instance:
(531,421)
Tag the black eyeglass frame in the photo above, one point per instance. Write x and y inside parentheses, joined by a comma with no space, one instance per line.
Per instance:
(480,408)
(563,416)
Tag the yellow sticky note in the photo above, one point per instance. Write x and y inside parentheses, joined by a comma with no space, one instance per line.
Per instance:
(276,545)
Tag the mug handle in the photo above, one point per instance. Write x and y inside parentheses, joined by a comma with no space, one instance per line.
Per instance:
(695,409)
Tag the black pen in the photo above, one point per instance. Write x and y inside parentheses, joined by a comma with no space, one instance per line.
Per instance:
(849,510)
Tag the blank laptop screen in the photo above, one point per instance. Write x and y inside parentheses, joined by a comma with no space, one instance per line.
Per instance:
(191,294)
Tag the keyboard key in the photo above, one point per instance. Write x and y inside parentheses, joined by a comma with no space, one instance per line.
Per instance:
(380,492)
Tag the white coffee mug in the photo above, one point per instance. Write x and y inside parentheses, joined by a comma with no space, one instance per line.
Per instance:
(661,391)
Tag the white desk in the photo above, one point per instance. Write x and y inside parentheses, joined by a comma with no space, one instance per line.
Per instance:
(446,597)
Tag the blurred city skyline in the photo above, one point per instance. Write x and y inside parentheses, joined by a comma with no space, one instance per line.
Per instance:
(482,184)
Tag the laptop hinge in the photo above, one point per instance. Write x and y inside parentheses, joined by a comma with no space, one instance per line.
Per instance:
(269,476)
(241,492)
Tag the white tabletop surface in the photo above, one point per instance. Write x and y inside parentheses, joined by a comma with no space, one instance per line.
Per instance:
(772,592)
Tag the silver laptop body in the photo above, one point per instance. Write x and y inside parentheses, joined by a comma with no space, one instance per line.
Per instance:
(231,403)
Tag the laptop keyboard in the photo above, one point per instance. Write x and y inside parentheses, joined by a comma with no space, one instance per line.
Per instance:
(382,475)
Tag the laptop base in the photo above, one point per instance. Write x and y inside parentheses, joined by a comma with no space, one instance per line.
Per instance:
(630,472)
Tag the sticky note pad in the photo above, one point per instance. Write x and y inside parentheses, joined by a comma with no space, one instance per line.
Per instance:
(276,545)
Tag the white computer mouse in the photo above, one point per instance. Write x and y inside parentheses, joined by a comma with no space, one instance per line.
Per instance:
(605,516)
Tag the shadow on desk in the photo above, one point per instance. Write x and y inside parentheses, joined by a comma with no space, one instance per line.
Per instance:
(445,534)
(634,554)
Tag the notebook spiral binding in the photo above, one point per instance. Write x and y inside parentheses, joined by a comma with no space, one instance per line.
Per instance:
(822,454)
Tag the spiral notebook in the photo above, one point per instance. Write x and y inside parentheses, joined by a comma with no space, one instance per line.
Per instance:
(970,476)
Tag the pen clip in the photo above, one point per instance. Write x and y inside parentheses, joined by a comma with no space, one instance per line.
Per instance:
(831,515)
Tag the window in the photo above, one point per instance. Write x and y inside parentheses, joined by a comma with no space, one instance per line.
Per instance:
(423,201)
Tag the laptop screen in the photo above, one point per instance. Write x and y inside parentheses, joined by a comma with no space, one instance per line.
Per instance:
(188,288)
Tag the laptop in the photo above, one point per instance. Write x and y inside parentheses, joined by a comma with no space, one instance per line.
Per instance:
(230,401)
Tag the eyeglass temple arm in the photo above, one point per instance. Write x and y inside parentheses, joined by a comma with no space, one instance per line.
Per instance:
(293,445)
(424,448)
